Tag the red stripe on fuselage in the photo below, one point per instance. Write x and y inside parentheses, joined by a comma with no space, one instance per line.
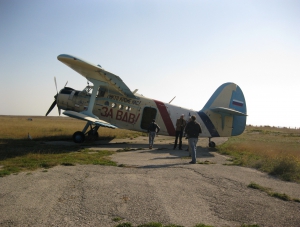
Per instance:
(166,117)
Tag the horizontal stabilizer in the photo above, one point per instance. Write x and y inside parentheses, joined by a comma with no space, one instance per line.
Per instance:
(223,110)
(92,120)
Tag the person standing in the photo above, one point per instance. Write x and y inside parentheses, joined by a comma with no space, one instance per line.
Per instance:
(180,125)
(187,137)
(152,130)
(193,129)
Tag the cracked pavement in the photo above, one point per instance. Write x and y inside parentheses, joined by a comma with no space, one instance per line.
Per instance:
(155,185)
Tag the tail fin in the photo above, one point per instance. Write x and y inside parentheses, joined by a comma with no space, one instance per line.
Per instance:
(225,112)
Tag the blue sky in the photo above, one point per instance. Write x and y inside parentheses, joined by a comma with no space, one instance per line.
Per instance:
(163,48)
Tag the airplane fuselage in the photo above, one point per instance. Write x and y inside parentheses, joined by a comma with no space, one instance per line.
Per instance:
(132,114)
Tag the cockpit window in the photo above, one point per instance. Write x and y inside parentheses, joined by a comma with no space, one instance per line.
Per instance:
(87,91)
(101,91)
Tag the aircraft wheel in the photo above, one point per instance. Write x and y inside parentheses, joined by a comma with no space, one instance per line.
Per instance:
(211,144)
(78,137)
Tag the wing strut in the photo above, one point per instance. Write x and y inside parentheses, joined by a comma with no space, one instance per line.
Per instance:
(89,110)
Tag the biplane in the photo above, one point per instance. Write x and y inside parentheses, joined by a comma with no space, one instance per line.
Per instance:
(110,103)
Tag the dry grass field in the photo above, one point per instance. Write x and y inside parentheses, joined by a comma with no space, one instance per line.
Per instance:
(269,149)
(49,128)
(19,153)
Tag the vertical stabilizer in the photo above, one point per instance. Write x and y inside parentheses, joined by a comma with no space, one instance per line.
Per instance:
(225,112)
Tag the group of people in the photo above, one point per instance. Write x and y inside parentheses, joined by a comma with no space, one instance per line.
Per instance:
(192,129)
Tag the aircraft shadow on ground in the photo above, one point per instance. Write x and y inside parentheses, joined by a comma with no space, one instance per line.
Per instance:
(11,148)
(17,148)
(158,149)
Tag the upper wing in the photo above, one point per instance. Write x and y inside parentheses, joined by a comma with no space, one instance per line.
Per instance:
(91,71)
(92,120)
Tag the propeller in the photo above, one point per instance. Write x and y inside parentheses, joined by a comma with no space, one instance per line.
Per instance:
(55,100)
(52,106)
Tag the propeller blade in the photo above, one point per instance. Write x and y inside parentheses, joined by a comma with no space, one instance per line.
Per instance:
(55,100)
(51,107)
(55,84)
(66,84)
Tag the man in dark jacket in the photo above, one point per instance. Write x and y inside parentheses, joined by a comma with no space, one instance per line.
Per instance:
(180,125)
(152,130)
(193,129)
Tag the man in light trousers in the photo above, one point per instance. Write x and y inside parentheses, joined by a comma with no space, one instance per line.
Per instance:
(152,130)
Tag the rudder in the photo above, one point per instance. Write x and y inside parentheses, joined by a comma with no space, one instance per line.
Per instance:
(226,110)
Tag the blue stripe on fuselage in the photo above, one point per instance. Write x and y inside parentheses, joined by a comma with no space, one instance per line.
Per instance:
(208,124)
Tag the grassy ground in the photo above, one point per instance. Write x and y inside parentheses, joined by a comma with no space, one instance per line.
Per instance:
(272,150)
(51,128)
(156,224)
(269,191)
(18,153)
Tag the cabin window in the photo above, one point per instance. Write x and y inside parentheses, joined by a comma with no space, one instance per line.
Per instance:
(113,105)
(120,107)
(106,103)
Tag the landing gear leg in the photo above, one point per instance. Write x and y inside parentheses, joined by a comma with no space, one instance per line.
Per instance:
(92,134)
(211,143)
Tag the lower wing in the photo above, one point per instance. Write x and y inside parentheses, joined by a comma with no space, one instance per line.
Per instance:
(92,120)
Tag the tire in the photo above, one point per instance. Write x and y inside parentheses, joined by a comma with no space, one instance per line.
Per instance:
(78,137)
(211,144)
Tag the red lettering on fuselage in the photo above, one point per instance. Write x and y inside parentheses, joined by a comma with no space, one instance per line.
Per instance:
(137,118)
(110,113)
(120,115)
(105,111)
(131,118)
(124,118)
